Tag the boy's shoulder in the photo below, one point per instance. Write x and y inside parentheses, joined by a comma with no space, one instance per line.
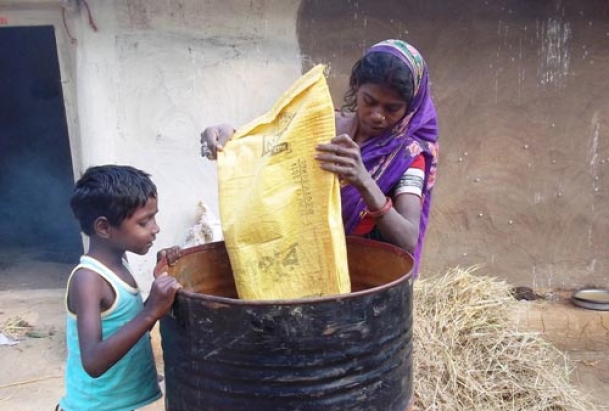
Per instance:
(87,282)
(84,280)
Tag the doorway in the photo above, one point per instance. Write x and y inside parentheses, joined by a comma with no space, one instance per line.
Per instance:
(39,238)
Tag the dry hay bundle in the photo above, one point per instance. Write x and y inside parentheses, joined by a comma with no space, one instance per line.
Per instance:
(15,327)
(470,355)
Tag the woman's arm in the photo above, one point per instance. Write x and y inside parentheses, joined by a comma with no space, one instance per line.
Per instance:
(399,225)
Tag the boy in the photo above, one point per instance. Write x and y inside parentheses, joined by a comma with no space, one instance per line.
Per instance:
(110,365)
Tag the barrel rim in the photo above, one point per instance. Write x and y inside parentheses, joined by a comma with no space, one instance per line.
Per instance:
(162,263)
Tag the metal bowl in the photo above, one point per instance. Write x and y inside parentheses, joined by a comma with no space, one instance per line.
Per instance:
(591,298)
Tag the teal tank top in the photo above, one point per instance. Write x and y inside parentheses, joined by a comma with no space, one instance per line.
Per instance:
(130,383)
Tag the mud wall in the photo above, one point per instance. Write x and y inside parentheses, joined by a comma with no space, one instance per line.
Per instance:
(522,92)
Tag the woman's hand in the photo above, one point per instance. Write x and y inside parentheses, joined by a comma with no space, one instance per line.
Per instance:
(342,156)
(213,139)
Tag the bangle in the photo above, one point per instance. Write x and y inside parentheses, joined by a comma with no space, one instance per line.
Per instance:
(382,211)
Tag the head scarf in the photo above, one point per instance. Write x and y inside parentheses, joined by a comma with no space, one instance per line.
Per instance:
(388,156)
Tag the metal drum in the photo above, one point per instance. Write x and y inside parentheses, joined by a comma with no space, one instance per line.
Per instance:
(350,352)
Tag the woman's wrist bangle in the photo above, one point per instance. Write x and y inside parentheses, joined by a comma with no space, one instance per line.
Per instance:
(381,211)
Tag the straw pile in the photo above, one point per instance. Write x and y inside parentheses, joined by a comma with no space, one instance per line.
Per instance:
(470,355)
(15,327)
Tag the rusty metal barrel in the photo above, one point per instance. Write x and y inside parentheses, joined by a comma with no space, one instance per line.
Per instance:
(350,352)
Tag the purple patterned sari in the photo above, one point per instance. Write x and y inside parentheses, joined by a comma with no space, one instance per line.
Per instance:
(387,157)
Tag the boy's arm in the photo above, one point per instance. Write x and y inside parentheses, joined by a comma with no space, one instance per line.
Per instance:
(86,297)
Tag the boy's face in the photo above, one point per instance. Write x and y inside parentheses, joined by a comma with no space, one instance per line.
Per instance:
(137,233)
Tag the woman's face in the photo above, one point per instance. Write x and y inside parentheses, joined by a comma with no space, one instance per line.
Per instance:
(378,108)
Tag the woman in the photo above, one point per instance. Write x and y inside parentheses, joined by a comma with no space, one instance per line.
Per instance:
(386,150)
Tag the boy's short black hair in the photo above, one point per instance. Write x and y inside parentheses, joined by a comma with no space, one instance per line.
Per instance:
(111,191)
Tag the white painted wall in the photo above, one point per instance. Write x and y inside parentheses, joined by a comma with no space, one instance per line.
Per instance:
(155,73)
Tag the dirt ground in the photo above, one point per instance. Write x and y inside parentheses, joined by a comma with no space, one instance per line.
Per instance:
(31,372)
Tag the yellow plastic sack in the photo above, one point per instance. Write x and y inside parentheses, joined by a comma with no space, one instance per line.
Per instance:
(281,213)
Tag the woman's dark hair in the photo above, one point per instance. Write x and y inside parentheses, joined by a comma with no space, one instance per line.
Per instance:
(110,191)
(383,69)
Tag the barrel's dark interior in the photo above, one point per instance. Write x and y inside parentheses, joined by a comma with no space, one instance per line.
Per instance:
(206,269)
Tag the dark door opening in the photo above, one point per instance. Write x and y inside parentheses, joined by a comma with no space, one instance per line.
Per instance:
(36,224)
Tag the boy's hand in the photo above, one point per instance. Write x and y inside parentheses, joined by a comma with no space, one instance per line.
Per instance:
(172,254)
(162,295)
